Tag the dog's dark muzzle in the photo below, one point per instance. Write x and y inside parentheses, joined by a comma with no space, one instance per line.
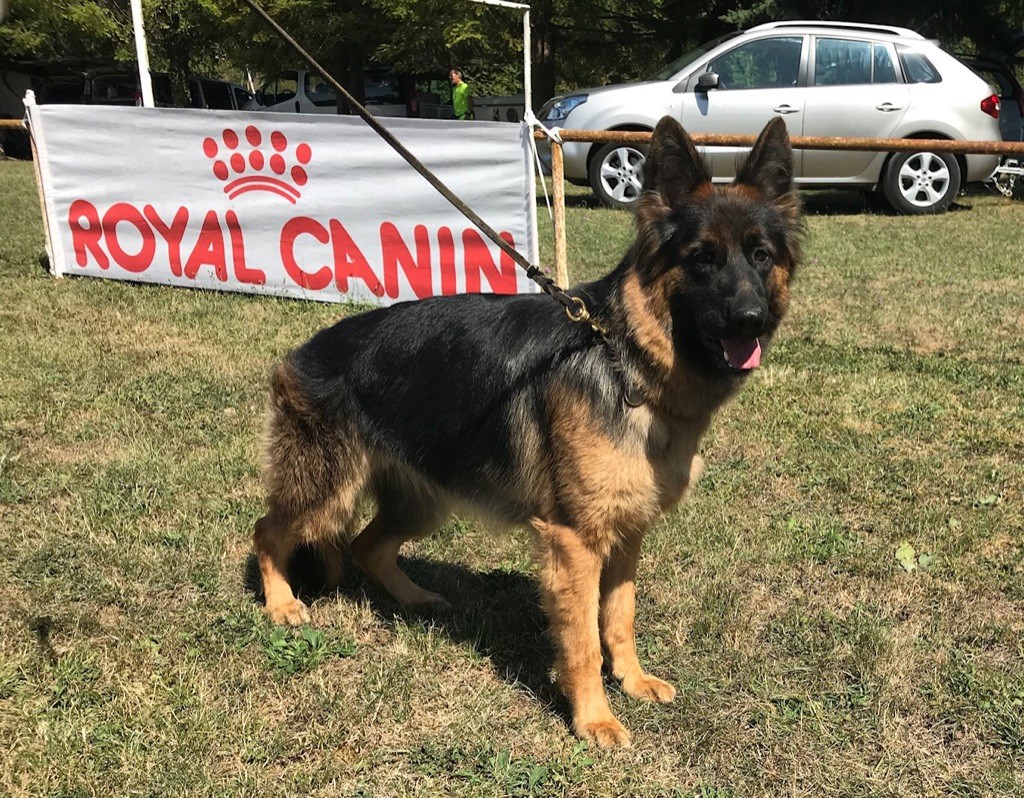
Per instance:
(746,321)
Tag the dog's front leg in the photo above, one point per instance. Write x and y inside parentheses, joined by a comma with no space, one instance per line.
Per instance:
(571,582)
(618,608)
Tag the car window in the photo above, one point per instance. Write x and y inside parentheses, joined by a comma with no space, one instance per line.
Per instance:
(163,91)
(286,85)
(917,68)
(762,64)
(438,88)
(319,91)
(241,96)
(884,70)
(195,94)
(217,94)
(383,89)
(848,62)
(114,89)
(686,59)
(63,91)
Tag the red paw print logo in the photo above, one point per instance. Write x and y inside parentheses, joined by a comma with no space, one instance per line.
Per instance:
(256,164)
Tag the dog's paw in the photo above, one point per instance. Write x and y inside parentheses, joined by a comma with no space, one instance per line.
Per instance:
(429,604)
(696,469)
(606,733)
(290,613)
(649,688)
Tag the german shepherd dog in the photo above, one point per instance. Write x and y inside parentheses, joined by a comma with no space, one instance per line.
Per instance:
(504,405)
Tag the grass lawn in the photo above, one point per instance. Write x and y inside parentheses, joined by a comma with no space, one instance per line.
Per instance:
(134,659)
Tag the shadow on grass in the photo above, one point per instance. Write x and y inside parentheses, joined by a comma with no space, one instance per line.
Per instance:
(824,202)
(496,612)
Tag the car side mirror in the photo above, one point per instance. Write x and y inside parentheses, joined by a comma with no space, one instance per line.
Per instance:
(707,81)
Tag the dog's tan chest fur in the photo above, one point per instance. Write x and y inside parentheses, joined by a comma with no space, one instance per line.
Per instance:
(608,487)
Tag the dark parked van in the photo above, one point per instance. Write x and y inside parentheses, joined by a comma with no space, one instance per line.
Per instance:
(101,86)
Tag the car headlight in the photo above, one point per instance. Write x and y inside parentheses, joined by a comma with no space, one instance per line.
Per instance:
(560,108)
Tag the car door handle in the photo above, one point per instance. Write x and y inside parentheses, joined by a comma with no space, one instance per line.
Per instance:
(786,109)
(887,107)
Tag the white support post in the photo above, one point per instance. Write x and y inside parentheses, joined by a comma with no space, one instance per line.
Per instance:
(527,63)
(527,99)
(145,80)
(527,79)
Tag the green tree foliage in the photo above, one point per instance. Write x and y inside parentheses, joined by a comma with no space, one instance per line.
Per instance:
(416,37)
(431,36)
(575,42)
(341,34)
(185,36)
(189,37)
(33,29)
(593,42)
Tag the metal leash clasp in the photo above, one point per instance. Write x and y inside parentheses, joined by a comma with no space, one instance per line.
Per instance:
(577,311)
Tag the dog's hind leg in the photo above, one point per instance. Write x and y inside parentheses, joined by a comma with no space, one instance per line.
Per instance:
(403,514)
(334,563)
(314,471)
(618,608)
(279,532)
(274,540)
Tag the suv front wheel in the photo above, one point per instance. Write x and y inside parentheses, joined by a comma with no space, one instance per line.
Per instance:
(921,182)
(617,174)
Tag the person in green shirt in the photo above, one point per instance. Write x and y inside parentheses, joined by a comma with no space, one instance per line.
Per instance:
(462,98)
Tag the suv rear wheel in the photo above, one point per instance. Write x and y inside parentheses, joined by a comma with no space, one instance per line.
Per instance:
(617,174)
(921,182)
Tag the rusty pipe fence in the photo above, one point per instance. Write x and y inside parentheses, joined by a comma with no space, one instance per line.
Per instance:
(716,140)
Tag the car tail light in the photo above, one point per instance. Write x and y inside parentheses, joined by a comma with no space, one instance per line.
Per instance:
(990,105)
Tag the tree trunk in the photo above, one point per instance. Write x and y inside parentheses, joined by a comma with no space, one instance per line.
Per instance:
(543,56)
(179,63)
(353,79)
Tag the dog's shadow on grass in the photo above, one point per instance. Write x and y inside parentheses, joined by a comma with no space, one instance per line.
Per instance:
(496,612)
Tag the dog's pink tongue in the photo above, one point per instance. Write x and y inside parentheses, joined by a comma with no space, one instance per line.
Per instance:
(742,353)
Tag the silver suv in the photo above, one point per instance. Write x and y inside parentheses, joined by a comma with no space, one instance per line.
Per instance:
(824,79)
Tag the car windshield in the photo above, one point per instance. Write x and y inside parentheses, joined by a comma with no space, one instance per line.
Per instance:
(678,64)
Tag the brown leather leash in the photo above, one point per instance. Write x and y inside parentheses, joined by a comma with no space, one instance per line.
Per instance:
(575,308)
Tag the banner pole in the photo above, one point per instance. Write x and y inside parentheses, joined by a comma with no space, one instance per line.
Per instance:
(145,79)
(51,246)
(527,63)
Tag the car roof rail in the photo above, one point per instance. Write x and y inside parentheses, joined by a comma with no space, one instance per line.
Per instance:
(863,27)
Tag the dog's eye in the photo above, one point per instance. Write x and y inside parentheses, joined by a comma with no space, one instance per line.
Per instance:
(705,257)
(761,255)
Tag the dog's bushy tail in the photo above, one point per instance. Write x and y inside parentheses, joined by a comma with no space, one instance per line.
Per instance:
(313,470)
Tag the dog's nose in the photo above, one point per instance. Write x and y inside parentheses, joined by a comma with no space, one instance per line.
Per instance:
(748,319)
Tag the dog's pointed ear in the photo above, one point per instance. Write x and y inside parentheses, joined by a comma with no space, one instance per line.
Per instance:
(769,167)
(673,168)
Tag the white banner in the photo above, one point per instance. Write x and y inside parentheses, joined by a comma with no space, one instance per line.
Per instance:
(316,207)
